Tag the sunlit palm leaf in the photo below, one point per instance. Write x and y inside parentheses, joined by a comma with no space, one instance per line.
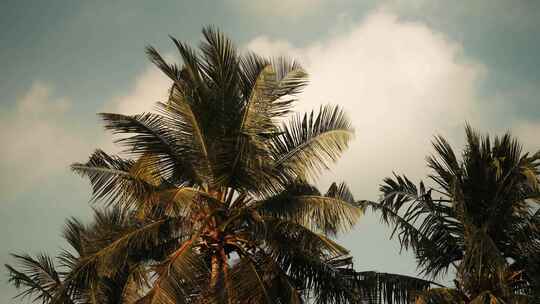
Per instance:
(150,136)
(179,279)
(333,212)
(185,125)
(310,143)
(196,201)
(118,181)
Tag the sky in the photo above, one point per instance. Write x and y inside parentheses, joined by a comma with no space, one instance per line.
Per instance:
(403,70)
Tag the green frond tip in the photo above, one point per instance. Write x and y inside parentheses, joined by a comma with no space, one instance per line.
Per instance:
(309,143)
(331,213)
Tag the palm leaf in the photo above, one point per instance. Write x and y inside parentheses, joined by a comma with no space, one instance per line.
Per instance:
(184,122)
(220,65)
(118,181)
(153,137)
(429,225)
(331,213)
(311,260)
(191,74)
(389,287)
(178,279)
(37,279)
(440,296)
(309,143)
(171,70)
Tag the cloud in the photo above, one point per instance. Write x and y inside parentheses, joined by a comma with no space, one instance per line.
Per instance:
(150,86)
(400,82)
(40,141)
(37,141)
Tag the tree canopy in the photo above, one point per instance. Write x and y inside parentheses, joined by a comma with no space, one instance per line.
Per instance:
(479,215)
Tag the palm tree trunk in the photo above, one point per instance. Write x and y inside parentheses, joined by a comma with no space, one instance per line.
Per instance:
(215,269)
(226,279)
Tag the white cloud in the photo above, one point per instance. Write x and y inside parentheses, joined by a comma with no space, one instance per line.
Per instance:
(150,86)
(399,81)
(40,142)
(37,141)
(265,46)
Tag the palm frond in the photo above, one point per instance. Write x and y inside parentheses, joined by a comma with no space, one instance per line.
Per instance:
(220,65)
(37,278)
(289,78)
(483,264)
(190,135)
(302,203)
(445,165)
(308,144)
(192,78)
(131,241)
(336,281)
(171,70)
(119,181)
(124,287)
(150,136)
(251,281)
(391,288)
(73,233)
(180,279)
(246,169)
(440,296)
(313,261)
(427,225)
(276,232)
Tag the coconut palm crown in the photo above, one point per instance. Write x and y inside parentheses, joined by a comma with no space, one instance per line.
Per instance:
(221,186)
(212,199)
(479,217)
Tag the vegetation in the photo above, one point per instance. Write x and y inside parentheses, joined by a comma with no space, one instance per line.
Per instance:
(73,279)
(212,201)
(481,218)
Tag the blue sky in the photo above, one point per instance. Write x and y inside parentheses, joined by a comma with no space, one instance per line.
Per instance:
(404,70)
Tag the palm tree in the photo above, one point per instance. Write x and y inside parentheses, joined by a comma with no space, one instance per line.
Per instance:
(217,192)
(480,218)
(218,178)
(40,279)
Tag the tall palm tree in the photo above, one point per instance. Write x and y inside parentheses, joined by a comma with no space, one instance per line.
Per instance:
(219,178)
(479,216)
(216,187)
(72,279)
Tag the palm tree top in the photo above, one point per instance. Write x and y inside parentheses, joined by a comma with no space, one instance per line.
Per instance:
(478,213)
(213,195)
(222,174)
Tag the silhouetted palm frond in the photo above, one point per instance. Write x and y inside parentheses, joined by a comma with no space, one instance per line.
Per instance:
(478,217)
